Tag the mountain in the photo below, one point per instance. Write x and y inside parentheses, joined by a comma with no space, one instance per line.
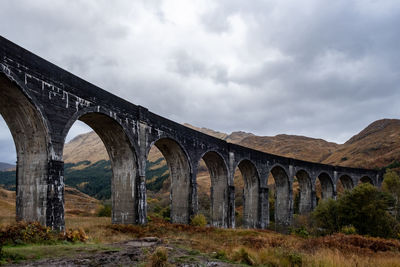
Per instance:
(377,146)
(298,147)
(5,166)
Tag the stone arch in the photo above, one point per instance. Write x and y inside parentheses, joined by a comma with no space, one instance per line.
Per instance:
(346,181)
(305,188)
(32,143)
(282,195)
(124,163)
(327,189)
(180,173)
(218,170)
(250,193)
(366,179)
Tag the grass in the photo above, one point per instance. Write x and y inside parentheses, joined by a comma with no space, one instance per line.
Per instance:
(62,249)
(251,247)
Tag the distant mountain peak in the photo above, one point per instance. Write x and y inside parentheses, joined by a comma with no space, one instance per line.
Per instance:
(374,127)
(6,166)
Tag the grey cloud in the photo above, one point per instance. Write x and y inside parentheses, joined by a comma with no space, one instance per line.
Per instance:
(187,65)
(313,68)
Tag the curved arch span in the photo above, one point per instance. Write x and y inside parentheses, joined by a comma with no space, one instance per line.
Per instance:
(346,181)
(282,199)
(123,163)
(305,188)
(218,170)
(30,135)
(327,190)
(181,184)
(250,193)
(366,179)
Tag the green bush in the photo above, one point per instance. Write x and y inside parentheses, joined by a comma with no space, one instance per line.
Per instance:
(326,215)
(348,230)
(199,220)
(365,207)
(104,211)
(301,231)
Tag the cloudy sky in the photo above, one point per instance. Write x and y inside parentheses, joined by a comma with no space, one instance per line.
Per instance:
(322,69)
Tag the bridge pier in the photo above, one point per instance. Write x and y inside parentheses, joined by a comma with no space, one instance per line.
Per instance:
(263,208)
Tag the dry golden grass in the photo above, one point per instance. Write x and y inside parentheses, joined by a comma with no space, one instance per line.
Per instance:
(258,247)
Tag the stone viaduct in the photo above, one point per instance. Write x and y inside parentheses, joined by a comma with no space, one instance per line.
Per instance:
(40,102)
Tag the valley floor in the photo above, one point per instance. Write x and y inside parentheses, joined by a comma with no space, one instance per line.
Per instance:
(184,245)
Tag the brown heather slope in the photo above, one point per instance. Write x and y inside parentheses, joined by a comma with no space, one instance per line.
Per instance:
(76,203)
(376,146)
(86,146)
(293,146)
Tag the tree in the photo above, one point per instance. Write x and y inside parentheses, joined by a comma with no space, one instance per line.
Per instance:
(365,207)
(391,184)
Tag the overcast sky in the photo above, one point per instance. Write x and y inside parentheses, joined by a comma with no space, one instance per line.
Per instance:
(323,69)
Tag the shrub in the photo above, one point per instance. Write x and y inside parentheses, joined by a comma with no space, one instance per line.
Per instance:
(348,230)
(301,231)
(326,215)
(75,235)
(34,232)
(365,207)
(199,220)
(104,211)
(159,258)
(243,256)
(221,255)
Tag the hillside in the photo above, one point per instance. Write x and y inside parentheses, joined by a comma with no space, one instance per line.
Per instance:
(5,166)
(76,203)
(377,146)
(298,147)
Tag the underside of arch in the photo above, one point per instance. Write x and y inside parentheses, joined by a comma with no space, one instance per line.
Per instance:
(123,163)
(305,204)
(366,179)
(326,186)
(250,194)
(347,182)
(219,188)
(179,169)
(282,198)
(30,137)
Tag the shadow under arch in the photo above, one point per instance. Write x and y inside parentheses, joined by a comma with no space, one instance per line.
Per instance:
(30,135)
(365,179)
(282,200)
(124,164)
(218,170)
(251,209)
(346,181)
(327,190)
(305,190)
(180,172)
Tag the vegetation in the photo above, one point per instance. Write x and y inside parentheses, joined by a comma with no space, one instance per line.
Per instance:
(365,208)
(95,179)
(199,220)
(22,234)
(159,258)
(391,185)
(105,211)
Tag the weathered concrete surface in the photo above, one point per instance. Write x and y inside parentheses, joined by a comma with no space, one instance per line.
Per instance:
(40,102)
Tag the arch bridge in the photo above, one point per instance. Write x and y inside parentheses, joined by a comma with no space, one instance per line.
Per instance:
(40,102)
